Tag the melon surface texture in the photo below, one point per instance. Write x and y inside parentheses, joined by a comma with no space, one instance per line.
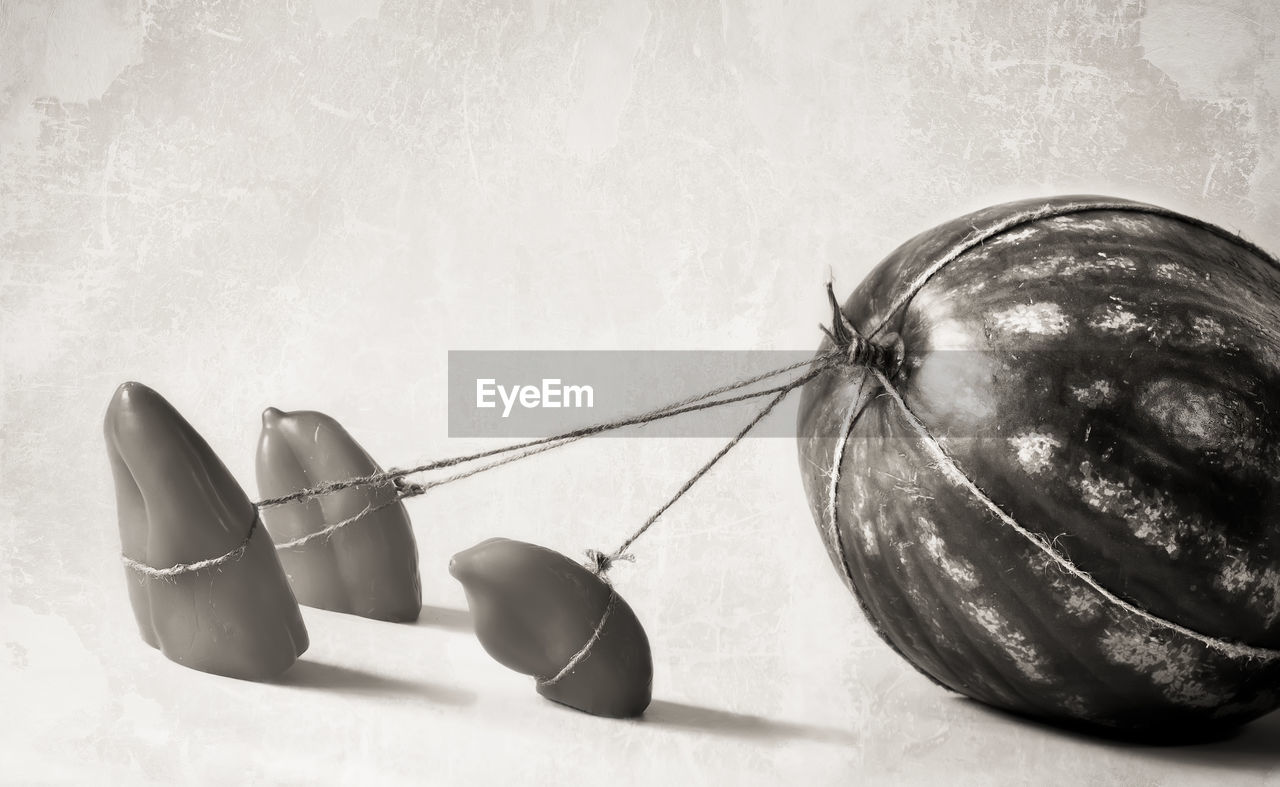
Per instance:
(1104,375)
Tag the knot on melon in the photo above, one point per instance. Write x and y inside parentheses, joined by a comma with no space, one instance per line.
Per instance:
(857,350)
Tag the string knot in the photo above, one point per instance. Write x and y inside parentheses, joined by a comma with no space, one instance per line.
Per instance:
(857,349)
(599,562)
(406,488)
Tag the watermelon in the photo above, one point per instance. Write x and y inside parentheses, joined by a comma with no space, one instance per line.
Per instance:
(1060,495)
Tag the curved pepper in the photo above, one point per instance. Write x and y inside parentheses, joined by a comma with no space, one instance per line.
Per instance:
(178,504)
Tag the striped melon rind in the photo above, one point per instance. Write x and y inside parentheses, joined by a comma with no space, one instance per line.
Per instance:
(1108,378)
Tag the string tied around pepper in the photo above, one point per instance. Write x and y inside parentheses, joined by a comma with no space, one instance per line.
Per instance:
(850,348)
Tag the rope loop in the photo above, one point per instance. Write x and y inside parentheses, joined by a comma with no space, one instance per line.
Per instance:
(406,488)
(599,562)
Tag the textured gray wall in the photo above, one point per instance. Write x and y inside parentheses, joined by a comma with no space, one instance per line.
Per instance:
(306,204)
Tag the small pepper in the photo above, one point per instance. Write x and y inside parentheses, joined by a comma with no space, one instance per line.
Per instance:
(540,613)
(368,567)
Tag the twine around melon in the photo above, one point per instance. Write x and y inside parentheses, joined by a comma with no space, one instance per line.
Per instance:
(947,464)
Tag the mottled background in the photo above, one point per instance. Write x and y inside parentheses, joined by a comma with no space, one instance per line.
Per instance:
(307,203)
